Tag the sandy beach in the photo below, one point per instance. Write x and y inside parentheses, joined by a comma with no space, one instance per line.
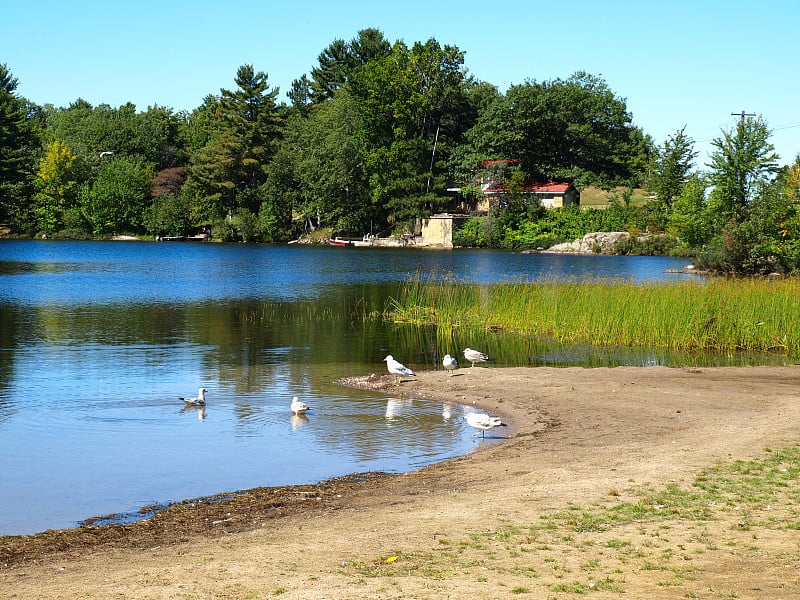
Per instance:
(592,493)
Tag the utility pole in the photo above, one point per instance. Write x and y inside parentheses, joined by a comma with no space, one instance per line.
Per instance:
(743,115)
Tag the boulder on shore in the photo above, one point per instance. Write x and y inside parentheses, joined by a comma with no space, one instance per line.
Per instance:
(600,242)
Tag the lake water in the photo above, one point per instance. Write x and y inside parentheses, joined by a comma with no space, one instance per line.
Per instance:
(99,339)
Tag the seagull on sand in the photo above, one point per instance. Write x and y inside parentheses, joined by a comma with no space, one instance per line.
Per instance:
(474,356)
(397,369)
(199,401)
(483,422)
(450,363)
(299,407)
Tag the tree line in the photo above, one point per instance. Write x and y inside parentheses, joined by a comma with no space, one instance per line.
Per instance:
(371,140)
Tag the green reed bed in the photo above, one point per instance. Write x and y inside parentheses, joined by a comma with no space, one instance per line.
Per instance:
(756,315)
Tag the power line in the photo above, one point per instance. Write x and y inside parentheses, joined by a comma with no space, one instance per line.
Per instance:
(788,126)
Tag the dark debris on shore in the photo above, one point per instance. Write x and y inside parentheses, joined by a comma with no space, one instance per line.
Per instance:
(212,516)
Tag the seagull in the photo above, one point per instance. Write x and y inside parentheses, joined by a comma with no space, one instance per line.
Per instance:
(474,356)
(397,369)
(106,153)
(450,363)
(199,401)
(483,422)
(298,407)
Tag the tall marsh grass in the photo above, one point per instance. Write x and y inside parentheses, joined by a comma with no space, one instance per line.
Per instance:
(757,315)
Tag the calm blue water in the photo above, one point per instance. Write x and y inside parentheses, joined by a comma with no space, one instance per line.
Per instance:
(98,340)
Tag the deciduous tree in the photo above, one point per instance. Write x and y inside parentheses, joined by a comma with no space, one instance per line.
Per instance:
(56,185)
(116,202)
(406,101)
(573,129)
(742,164)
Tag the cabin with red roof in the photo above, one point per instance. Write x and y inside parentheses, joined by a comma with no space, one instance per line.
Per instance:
(493,183)
(553,194)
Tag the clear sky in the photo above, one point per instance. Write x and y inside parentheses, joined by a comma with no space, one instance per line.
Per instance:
(676,63)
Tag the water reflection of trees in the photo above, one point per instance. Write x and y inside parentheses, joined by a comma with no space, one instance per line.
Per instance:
(12,319)
(251,347)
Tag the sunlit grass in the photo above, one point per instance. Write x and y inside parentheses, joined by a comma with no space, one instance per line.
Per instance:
(658,535)
(757,315)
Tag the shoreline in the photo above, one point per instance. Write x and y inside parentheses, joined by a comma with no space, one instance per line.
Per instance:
(581,437)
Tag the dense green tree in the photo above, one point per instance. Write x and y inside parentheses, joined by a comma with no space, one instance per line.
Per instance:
(755,213)
(56,187)
(168,215)
(763,236)
(790,177)
(573,129)
(672,167)
(690,219)
(280,194)
(117,200)
(17,152)
(340,60)
(300,94)
(407,102)
(255,120)
(741,166)
(201,126)
(331,72)
(242,129)
(465,157)
(93,132)
(330,167)
(370,44)
(211,183)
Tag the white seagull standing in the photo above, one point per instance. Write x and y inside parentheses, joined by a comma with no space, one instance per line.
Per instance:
(199,401)
(299,407)
(397,369)
(450,363)
(483,422)
(474,356)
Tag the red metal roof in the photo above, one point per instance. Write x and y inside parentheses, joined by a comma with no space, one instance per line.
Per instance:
(553,187)
(509,161)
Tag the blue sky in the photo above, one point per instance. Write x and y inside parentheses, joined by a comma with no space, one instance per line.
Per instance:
(682,63)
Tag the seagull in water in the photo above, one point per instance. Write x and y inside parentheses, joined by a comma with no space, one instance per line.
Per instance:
(474,356)
(199,401)
(483,422)
(450,363)
(299,407)
(397,369)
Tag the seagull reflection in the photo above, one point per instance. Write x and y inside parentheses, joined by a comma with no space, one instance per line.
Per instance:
(200,410)
(395,405)
(446,414)
(298,420)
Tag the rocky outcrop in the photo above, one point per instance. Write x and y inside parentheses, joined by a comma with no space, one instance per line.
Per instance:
(601,242)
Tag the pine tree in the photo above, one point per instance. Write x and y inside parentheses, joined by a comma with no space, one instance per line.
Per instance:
(16,151)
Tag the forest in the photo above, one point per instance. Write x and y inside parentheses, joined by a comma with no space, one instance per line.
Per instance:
(371,140)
